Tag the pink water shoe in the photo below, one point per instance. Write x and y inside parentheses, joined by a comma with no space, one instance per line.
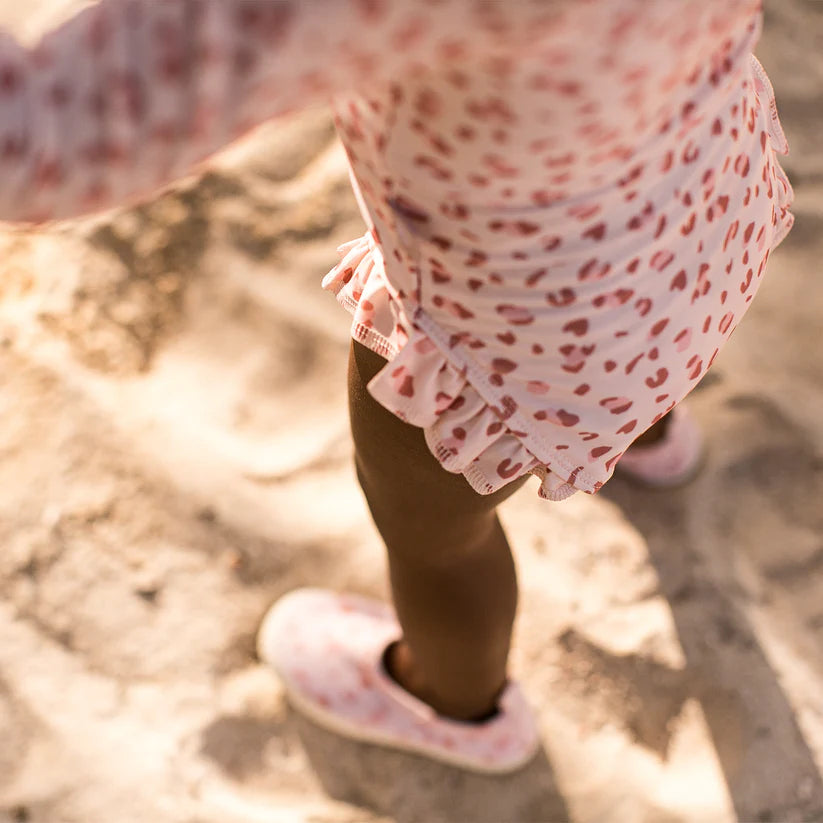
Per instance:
(328,649)
(673,460)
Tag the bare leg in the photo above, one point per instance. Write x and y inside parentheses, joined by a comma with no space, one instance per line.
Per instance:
(654,434)
(450,565)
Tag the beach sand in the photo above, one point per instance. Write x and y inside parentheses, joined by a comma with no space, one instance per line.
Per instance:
(175,456)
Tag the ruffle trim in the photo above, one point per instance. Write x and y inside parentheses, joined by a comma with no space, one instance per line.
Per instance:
(777,140)
(422,386)
(765,92)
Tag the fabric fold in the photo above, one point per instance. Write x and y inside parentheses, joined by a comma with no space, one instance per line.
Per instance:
(420,385)
(764,91)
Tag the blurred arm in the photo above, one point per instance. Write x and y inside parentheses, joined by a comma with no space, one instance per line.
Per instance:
(131,94)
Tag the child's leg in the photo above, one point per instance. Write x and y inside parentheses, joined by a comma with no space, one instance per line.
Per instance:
(451,569)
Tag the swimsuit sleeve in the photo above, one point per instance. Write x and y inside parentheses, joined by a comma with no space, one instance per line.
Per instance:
(130,95)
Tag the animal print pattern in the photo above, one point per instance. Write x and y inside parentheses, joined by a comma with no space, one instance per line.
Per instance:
(570,205)
(561,239)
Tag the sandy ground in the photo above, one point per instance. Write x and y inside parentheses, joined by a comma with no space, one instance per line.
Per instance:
(175,456)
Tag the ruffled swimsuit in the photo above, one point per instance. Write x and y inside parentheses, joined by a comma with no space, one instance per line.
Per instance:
(570,205)
(561,240)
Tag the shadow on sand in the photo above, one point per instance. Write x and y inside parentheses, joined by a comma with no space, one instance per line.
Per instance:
(692,534)
(412,789)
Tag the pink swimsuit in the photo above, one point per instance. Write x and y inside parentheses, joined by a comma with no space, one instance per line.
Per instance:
(570,204)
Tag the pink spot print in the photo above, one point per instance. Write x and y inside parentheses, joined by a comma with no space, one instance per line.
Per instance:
(593,270)
(516,315)
(525,228)
(690,153)
(659,378)
(584,212)
(661,259)
(499,166)
(515,228)
(575,357)
(630,366)
(422,346)
(659,326)
(643,306)
(577,327)
(683,340)
(627,428)
(725,322)
(434,166)
(642,218)
(409,210)
(507,470)
(428,103)
(536,276)
(582,389)
(542,197)
(559,417)
(678,281)
(731,234)
(537,387)
(509,407)
(596,233)
(507,338)
(612,460)
(630,178)
(565,297)
(454,308)
(599,451)
(742,165)
(503,365)
(617,405)
(476,258)
(456,211)
(443,401)
(613,299)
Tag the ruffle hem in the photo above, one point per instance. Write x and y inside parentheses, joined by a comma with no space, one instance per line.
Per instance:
(422,386)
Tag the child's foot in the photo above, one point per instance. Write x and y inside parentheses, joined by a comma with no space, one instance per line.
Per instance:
(669,454)
(328,649)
